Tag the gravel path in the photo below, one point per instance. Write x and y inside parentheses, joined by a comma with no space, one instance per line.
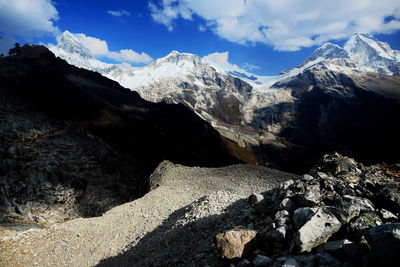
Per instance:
(166,226)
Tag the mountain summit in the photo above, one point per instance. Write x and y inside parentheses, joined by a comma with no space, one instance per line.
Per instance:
(372,54)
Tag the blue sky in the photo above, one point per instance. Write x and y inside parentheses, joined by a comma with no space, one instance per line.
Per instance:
(262,36)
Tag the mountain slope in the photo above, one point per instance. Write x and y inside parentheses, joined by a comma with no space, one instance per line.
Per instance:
(52,111)
(260,112)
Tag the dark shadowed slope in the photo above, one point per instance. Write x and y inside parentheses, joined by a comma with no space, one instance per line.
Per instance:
(69,135)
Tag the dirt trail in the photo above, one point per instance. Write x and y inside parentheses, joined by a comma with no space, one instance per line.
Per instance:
(87,242)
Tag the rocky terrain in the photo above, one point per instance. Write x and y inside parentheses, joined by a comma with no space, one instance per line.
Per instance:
(174,224)
(75,144)
(340,214)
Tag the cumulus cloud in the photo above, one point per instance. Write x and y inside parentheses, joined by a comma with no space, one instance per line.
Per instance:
(286,25)
(169,10)
(220,59)
(27,18)
(99,48)
(118,13)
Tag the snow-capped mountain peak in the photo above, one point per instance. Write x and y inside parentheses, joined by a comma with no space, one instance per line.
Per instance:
(70,44)
(372,54)
(75,53)
(328,51)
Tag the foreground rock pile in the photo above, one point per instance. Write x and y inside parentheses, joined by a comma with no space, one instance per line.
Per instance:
(340,214)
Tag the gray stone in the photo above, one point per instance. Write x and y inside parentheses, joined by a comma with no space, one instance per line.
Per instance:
(311,196)
(244,263)
(262,261)
(255,199)
(387,215)
(384,242)
(308,177)
(285,185)
(281,214)
(325,259)
(364,221)
(291,263)
(277,234)
(316,231)
(348,207)
(335,245)
(301,216)
(286,204)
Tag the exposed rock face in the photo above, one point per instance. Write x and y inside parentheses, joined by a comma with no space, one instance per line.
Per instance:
(74,143)
(335,215)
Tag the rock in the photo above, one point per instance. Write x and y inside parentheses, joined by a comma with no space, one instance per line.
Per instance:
(384,241)
(348,207)
(316,231)
(244,263)
(278,234)
(335,245)
(255,199)
(387,215)
(364,221)
(350,179)
(311,196)
(258,203)
(291,263)
(285,185)
(390,198)
(281,214)
(325,259)
(231,244)
(363,204)
(301,216)
(307,177)
(262,261)
(355,251)
(286,204)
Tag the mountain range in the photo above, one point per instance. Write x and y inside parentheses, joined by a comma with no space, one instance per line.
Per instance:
(337,97)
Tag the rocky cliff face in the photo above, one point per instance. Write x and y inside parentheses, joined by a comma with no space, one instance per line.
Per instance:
(74,143)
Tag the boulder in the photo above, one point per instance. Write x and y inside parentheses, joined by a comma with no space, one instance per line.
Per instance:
(311,197)
(384,241)
(231,244)
(301,216)
(316,231)
(262,261)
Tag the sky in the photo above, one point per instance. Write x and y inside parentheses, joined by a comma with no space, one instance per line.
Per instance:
(261,36)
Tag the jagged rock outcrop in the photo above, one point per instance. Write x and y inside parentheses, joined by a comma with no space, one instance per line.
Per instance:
(345,219)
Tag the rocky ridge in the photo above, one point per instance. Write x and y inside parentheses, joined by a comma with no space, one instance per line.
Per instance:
(340,214)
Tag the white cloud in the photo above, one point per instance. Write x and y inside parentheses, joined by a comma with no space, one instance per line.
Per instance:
(27,18)
(170,10)
(128,55)
(118,13)
(96,46)
(286,25)
(220,59)
(99,48)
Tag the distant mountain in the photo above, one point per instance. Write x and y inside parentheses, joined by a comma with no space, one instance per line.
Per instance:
(260,111)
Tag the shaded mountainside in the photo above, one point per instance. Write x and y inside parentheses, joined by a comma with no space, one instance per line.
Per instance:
(357,115)
(72,136)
